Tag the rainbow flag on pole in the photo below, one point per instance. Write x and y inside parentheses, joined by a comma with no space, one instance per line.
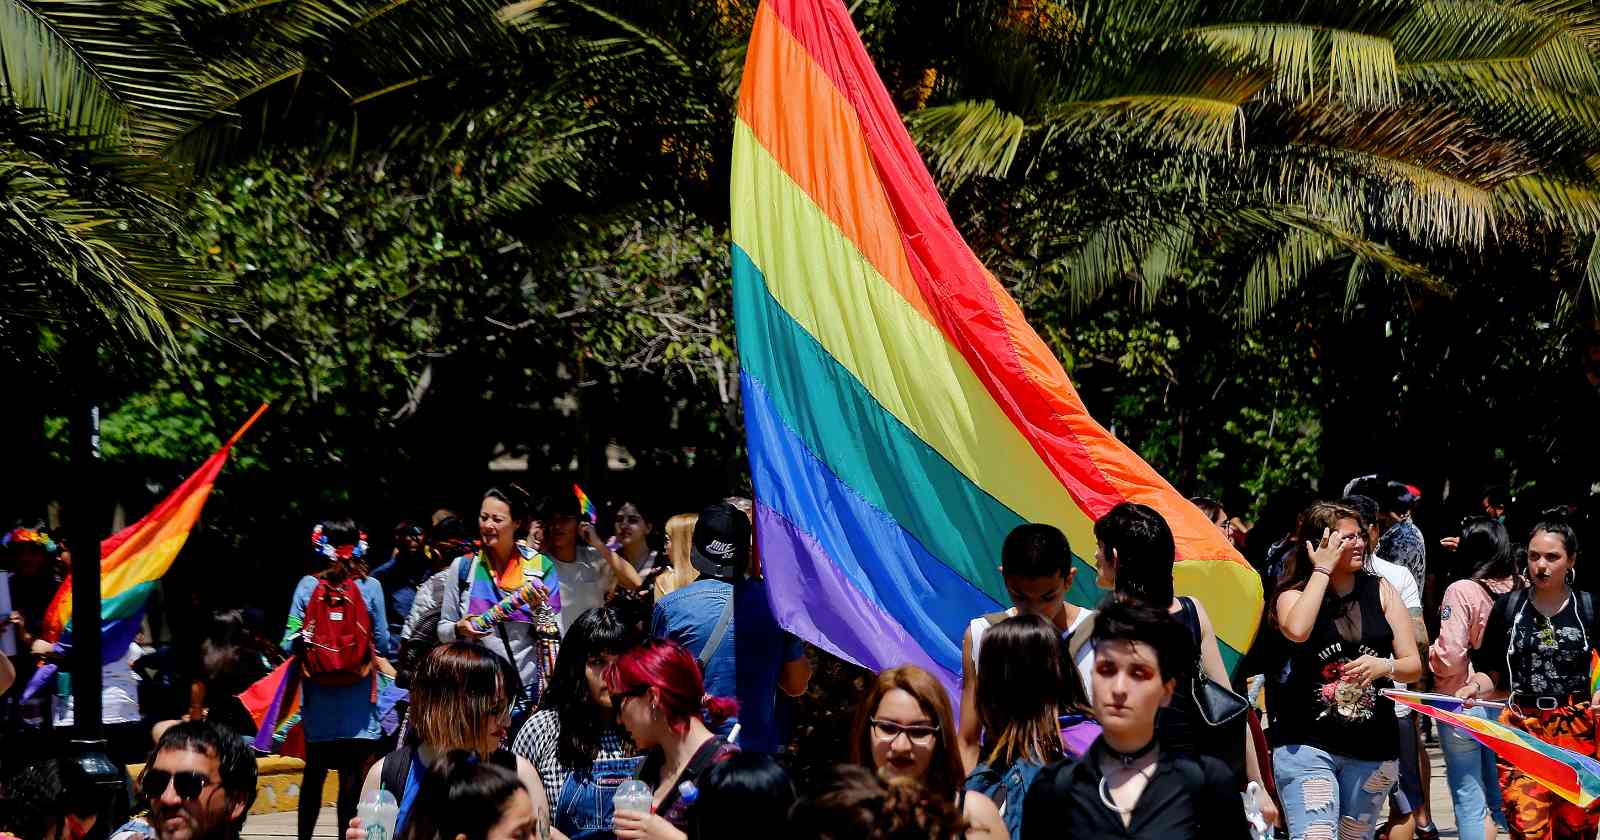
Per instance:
(901,415)
(133,559)
(1572,776)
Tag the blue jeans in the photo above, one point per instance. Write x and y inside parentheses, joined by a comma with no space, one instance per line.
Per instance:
(583,809)
(1327,796)
(1474,781)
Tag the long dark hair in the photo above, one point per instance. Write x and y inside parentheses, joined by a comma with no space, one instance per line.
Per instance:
(1145,551)
(1485,550)
(1020,691)
(1321,516)
(597,632)
(460,796)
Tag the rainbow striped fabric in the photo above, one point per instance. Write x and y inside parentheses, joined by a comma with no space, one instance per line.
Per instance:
(901,415)
(133,559)
(1571,776)
(585,504)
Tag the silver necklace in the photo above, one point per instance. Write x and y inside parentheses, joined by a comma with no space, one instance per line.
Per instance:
(1105,792)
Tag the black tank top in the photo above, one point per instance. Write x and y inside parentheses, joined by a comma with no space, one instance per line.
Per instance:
(1314,707)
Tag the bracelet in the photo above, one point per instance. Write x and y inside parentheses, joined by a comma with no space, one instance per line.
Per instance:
(1318,570)
(1391,666)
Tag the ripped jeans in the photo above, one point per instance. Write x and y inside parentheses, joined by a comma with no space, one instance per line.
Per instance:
(1331,797)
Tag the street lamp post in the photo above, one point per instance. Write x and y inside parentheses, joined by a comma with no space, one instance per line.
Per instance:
(85,523)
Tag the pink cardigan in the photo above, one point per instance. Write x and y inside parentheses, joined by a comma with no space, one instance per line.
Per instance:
(1461,619)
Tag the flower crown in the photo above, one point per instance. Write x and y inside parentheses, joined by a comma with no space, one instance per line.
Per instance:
(29,535)
(320,544)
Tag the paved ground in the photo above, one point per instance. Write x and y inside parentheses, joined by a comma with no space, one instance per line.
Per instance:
(265,826)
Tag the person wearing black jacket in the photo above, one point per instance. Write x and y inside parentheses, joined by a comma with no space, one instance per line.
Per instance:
(1127,786)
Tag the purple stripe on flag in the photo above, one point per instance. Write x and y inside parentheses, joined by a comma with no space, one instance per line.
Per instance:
(813,599)
(269,721)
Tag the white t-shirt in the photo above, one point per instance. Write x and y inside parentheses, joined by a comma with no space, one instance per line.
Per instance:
(1404,583)
(1084,661)
(119,692)
(585,583)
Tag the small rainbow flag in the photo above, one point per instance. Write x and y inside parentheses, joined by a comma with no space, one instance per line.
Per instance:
(133,559)
(1594,673)
(1572,776)
(585,504)
(902,417)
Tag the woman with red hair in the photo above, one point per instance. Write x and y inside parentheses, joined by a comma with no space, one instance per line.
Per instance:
(659,694)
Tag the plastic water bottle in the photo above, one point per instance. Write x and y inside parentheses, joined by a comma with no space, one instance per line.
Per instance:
(378,811)
(632,795)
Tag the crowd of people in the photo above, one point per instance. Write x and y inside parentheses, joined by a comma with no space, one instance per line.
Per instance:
(546,669)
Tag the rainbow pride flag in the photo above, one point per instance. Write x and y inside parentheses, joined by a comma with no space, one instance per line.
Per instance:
(585,504)
(133,559)
(1572,776)
(901,415)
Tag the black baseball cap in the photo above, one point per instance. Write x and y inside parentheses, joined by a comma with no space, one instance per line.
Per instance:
(721,541)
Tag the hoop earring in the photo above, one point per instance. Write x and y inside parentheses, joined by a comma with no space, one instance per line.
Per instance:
(1572,575)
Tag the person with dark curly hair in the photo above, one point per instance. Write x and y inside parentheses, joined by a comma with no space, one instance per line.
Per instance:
(857,804)
(50,800)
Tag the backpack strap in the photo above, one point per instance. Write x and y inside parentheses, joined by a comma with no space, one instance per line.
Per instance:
(396,766)
(718,632)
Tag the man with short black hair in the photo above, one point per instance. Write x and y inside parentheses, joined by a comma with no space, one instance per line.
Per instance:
(725,619)
(199,783)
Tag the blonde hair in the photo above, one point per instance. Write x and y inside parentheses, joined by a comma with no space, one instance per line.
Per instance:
(458,689)
(680,530)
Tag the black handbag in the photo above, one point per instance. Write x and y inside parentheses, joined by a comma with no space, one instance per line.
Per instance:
(1218,704)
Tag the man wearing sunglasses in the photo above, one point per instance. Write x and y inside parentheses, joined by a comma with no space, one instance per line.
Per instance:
(199,784)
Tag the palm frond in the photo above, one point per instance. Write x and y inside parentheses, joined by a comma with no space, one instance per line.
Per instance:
(103,69)
(1550,201)
(967,139)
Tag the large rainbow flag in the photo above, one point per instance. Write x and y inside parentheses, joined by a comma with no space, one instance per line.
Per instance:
(1572,776)
(133,559)
(902,416)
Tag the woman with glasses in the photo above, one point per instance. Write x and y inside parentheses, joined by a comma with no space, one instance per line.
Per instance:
(575,741)
(1348,636)
(659,694)
(460,700)
(1484,550)
(1537,644)
(905,729)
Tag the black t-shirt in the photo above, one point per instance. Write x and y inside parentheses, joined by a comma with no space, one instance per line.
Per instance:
(1315,707)
(1188,798)
(1547,656)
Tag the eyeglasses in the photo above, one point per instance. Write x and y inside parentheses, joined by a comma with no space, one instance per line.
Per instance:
(888,730)
(188,783)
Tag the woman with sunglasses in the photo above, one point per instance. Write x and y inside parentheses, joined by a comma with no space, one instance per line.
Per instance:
(575,742)
(460,701)
(659,694)
(1536,647)
(50,800)
(905,729)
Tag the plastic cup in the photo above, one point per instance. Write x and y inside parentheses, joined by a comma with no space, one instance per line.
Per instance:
(632,795)
(378,811)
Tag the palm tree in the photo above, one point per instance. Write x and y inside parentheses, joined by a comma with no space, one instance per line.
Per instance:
(1279,142)
(111,114)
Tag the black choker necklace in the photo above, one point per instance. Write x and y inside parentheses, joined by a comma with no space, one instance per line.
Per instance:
(1129,758)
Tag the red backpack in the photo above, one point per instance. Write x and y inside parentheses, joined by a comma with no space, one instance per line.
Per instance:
(337,631)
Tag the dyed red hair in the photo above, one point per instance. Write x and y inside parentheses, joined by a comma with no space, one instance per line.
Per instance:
(675,675)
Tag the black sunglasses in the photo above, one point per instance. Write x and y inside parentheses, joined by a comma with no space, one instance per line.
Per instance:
(188,783)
